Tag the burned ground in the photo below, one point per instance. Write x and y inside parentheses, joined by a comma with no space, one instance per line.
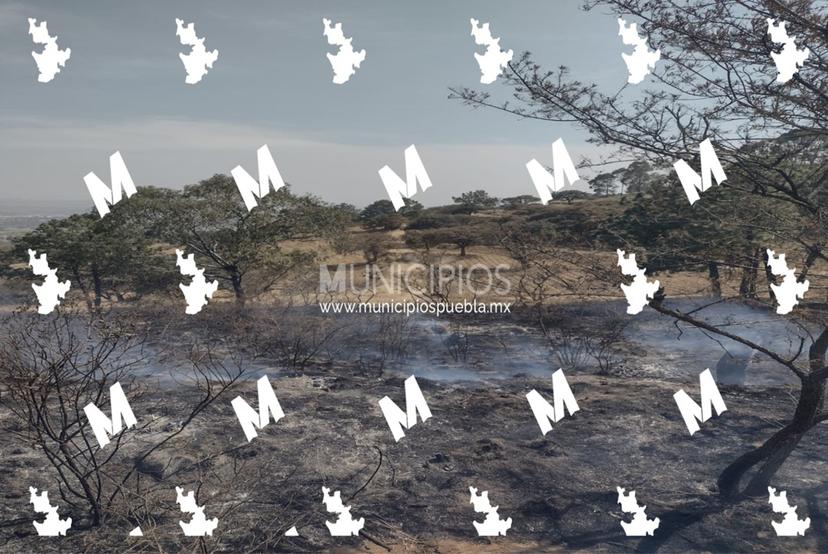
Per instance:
(558,489)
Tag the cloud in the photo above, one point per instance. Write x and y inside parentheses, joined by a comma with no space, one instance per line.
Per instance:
(14,15)
(50,158)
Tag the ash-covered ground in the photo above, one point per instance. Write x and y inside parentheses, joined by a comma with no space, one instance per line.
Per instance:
(559,490)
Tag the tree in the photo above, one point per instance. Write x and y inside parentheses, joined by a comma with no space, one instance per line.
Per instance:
(411,209)
(462,234)
(512,202)
(716,80)
(569,196)
(435,220)
(462,237)
(381,215)
(232,243)
(710,238)
(604,184)
(373,247)
(474,201)
(638,177)
(349,212)
(422,239)
(106,258)
(53,367)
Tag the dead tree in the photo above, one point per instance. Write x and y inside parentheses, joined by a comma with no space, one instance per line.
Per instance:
(53,366)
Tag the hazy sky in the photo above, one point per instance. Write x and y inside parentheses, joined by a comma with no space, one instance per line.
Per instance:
(123,89)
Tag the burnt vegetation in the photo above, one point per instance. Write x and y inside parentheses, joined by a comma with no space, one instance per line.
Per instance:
(123,321)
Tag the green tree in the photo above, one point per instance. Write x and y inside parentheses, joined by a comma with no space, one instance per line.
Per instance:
(411,209)
(210,220)
(422,239)
(708,238)
(462,235)
(475,201)
(569,196)
(436,220)
(604,184)
(638,177)
(109,258)
(349,212)
(381,215)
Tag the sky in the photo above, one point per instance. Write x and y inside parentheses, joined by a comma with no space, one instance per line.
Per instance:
(123,89)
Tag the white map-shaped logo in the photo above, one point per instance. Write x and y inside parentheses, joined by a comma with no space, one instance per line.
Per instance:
(492,526)
(199,290)
(51,290)
(640,526)
(346,61)
(790,290)
(791,525)
(52,58)
(642,60)
(52,526)
(199,525)
(791,58)
(199,58)
(345,525)
(640,291)
(493,60)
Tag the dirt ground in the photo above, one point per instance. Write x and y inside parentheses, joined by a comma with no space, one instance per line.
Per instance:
(559,490)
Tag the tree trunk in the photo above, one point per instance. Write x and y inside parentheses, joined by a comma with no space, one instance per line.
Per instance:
(772,454)
(82,288)
(715,281)
(236,281)
(747,288)
(813,253)
(462,250)
(96,280)
(769,277)
(85,480)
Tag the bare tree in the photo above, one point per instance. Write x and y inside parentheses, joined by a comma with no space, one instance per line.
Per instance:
(54,366)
